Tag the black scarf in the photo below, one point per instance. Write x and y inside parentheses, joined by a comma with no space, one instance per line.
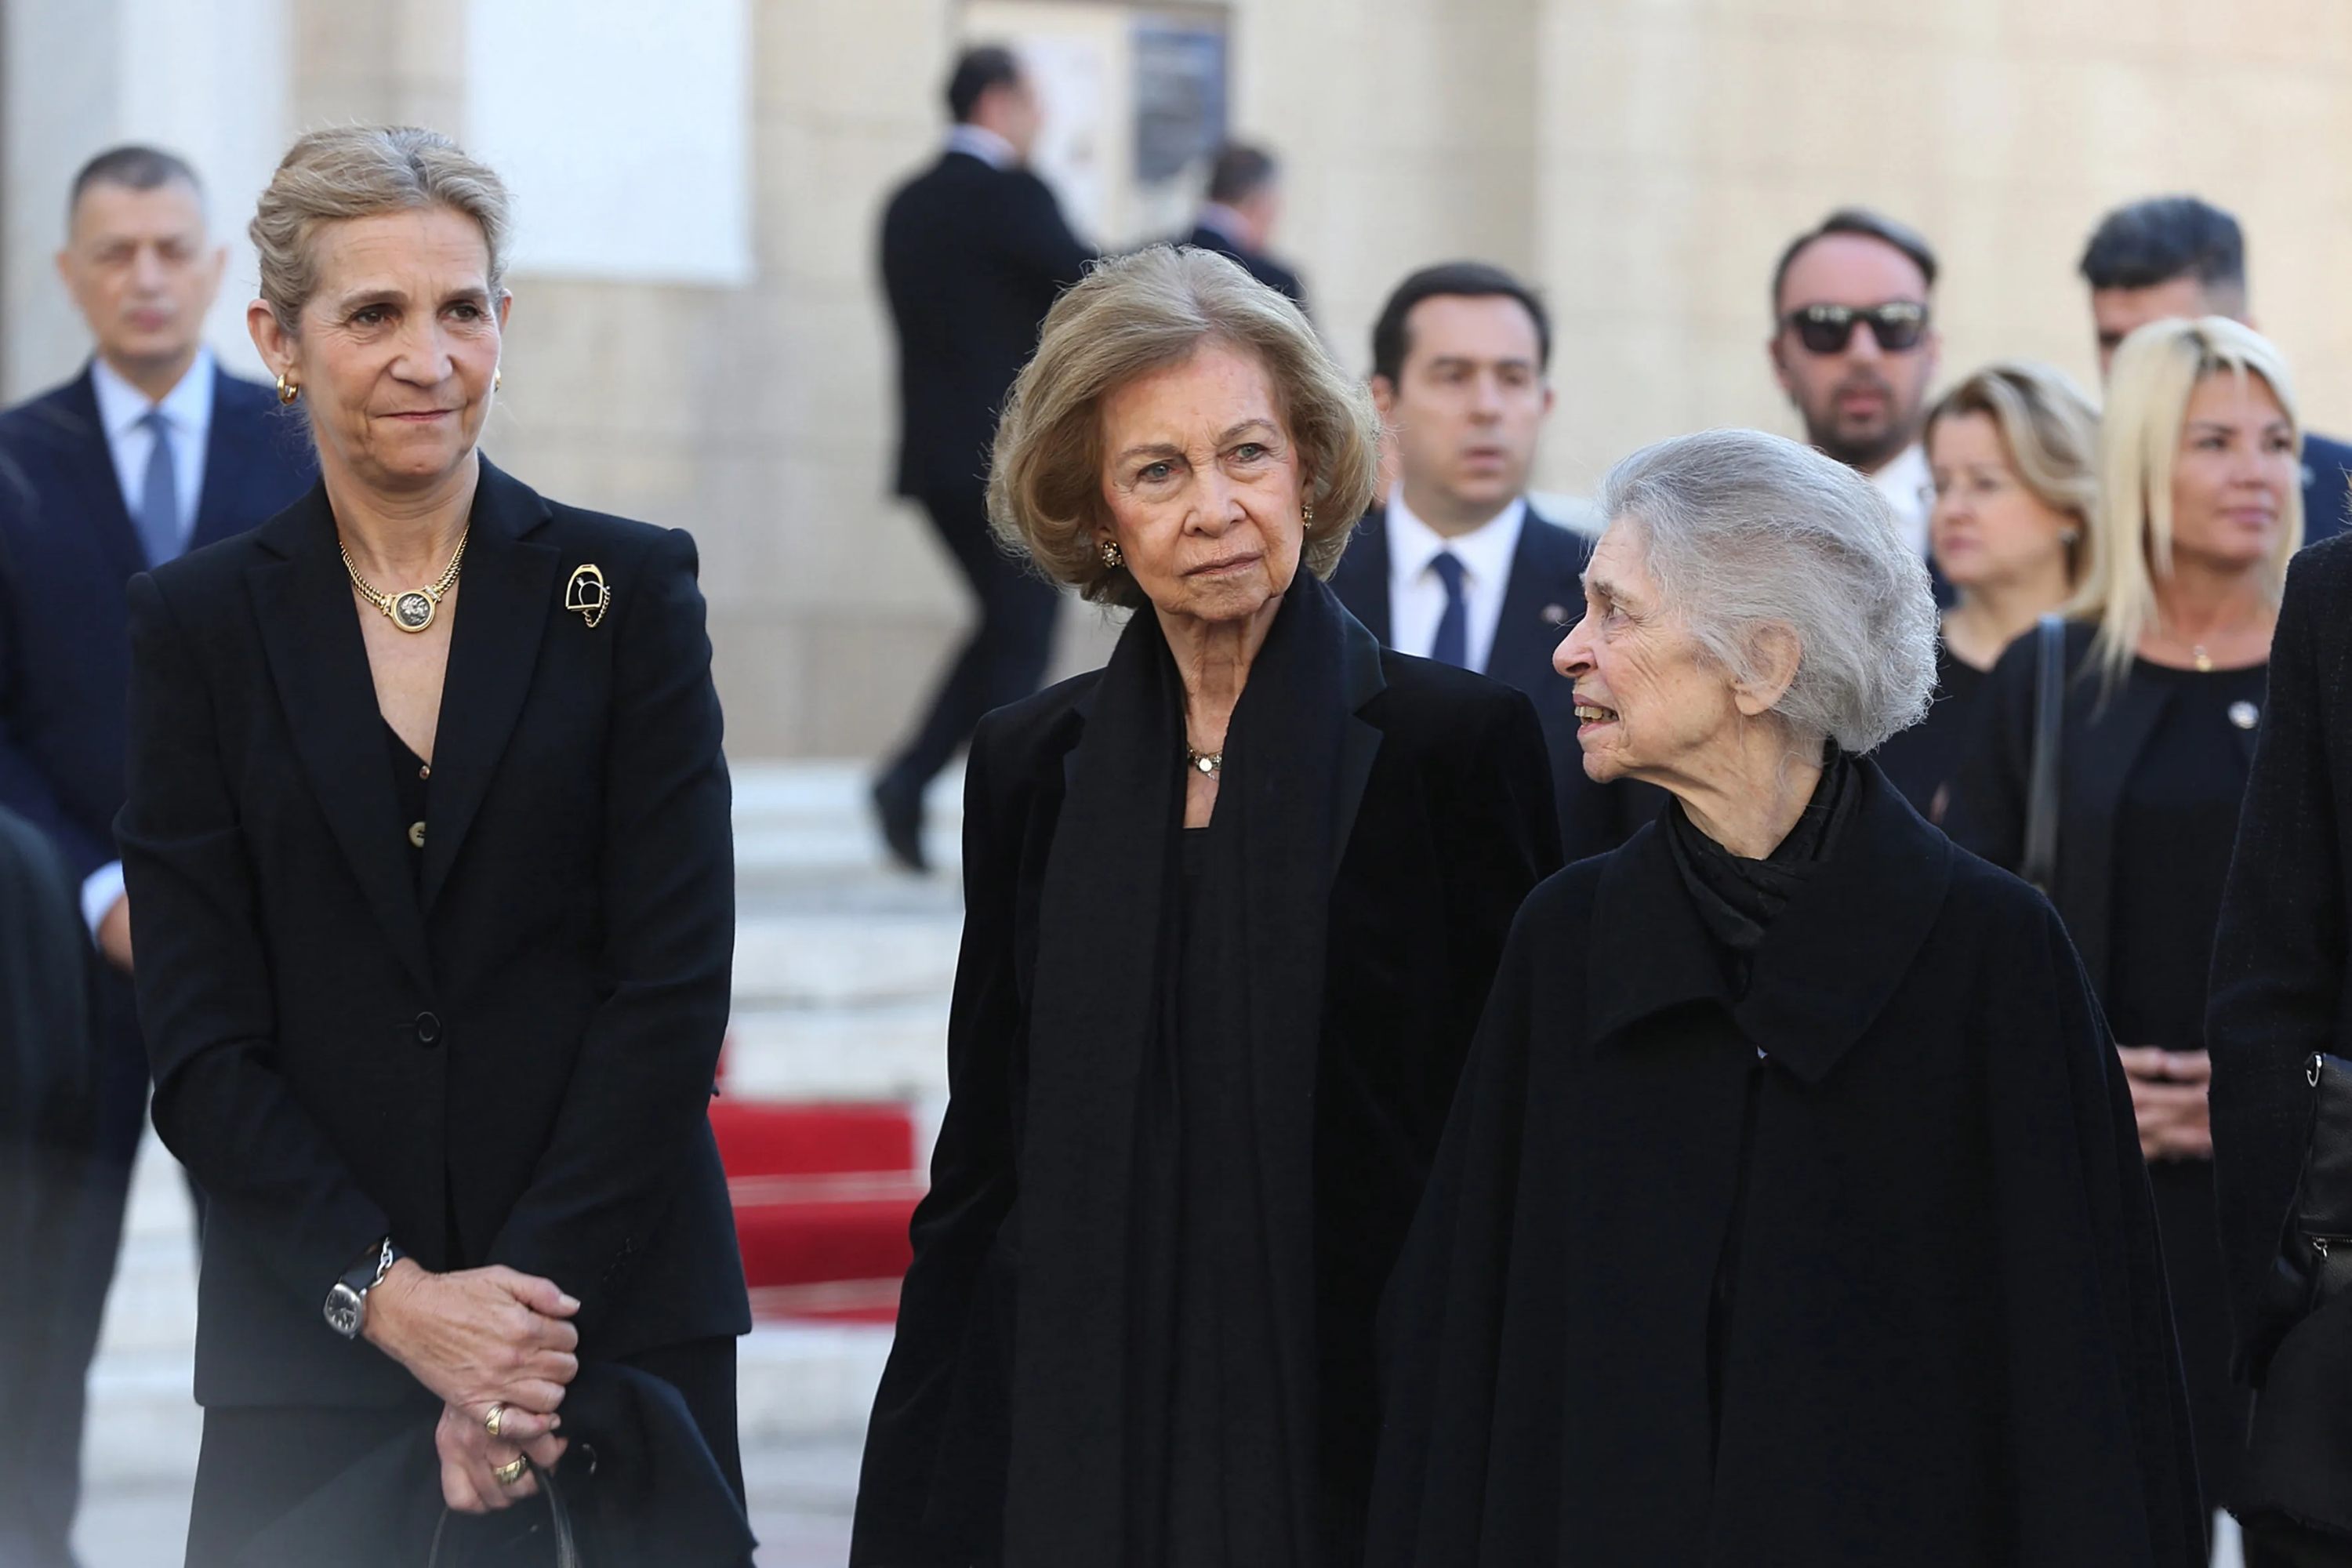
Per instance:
(1098,1006)
(1738,898)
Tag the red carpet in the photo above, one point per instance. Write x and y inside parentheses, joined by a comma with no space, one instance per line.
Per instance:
(823,1194)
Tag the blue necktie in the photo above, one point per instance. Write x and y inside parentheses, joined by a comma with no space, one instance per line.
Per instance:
(1453,643)
(158,498)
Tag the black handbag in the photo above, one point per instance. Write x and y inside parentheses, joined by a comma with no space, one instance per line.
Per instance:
(2298,1461)
(512,1538)
(2040,862)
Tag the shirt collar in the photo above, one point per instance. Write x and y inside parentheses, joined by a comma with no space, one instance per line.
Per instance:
(187,408)
(981,142)
(1484,552)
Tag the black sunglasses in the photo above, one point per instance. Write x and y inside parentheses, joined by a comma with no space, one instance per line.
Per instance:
(1898,326)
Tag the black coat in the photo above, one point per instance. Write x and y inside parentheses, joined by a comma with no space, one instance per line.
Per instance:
(502,1056)
(2099,745)
(1891,1192)
(971,259)
(2327,488)
(1256,263)
(2282,957)
(1545,598)
(1451,827)
(67,549)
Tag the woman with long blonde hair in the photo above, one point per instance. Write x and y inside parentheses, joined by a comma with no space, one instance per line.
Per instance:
(2201,506)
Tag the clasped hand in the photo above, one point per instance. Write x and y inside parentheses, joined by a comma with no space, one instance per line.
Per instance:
(482,1338)
(2168,1098)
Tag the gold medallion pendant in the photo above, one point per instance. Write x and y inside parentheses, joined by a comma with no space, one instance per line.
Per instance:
(412,611)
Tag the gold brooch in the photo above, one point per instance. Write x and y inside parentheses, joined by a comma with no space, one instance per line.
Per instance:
(586,592)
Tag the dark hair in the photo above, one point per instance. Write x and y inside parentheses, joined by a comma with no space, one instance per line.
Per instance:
(1869,226)
(1240,172)
(1465,279)
(977,70)
(2162,239)
(135,166)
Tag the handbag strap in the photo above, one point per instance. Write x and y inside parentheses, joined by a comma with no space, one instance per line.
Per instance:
(2041,860)
(567,1551)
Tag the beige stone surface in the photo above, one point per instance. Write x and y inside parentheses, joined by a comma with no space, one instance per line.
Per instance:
(1643,160)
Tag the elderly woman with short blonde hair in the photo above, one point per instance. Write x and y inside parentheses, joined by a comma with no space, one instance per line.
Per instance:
(430,865)
(1789,1212)
(1232,903)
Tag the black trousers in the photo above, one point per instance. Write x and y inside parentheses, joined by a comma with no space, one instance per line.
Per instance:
(1004,658)
(40,1444)
(258,1464)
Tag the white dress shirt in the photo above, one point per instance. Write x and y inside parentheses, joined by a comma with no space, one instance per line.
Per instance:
(187,411)
(1417,594)
(1910,489)
(983,144)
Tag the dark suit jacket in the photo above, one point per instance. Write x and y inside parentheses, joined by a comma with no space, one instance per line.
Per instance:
(501,1055)
(2282,955)
(2327,488)
(971,259)
(1258,263)
(66,548)
(1544,597)
(1446,837)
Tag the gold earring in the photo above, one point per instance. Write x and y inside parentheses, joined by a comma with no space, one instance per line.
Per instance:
(287,391)
(1306,515)
(496,376)
(1111,554)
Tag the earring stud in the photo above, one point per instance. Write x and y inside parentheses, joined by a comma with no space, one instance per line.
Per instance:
(1111,553)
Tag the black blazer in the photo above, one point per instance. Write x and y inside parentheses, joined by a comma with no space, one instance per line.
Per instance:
(66,548)
(1545,598)
(2282,955)
(1448,834)
(501,1055)
(2327,488)
(971,259)
(2100,743)
(1256,263)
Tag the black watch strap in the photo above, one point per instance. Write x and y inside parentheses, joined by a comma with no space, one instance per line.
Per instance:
(346,1303)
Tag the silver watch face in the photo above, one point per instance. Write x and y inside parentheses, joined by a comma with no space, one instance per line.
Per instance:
(346,1311)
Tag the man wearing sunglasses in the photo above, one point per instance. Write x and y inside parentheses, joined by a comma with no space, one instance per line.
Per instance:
(1854,346)
(2172,256)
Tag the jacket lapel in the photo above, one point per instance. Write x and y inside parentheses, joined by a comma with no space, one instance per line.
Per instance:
(318,661)
(2098,761)
(503,596)
(91,463)
(1361,579)
(1540,602)
(1360,739)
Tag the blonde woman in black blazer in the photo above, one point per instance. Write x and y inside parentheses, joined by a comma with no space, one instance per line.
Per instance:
(428,844)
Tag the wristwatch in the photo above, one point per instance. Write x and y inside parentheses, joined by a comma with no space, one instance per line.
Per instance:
(347,1298)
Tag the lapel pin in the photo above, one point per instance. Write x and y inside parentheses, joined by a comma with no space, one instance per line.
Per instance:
(1555,614)
(586,592)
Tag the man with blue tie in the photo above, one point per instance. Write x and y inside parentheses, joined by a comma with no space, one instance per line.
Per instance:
(1455,565)
(152,451)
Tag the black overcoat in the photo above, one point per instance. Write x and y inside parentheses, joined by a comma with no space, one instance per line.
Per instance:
(1859,1268)
(503,1056)
(1453,824)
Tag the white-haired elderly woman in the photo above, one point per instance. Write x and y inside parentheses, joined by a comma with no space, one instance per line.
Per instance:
(1231,906)
(1791,1210)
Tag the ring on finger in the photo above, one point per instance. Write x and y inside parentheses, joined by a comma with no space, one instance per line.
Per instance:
(494,1423)
(510,1472)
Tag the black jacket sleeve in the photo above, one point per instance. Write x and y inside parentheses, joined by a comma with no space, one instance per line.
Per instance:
(2278,990)
(1036,238)
(205,992)
(640,1088)
(946,1385)
(24,788)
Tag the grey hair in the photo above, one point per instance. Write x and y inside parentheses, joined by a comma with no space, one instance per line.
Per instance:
(1745,534)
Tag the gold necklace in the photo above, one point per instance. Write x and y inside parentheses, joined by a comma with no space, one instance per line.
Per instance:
(413,610)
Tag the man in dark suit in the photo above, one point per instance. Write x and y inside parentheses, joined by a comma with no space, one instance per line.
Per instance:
(1456,566)
(1245,204)
(152,451)
(975,250)
(2173,257)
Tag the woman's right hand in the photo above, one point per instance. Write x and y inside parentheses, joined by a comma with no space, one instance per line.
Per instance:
(478,1337)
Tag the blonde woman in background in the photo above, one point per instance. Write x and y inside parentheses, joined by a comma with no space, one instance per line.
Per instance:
(2013,451)
(2201,506)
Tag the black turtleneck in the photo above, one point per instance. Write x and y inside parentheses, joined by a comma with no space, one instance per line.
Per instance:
(1738,898)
